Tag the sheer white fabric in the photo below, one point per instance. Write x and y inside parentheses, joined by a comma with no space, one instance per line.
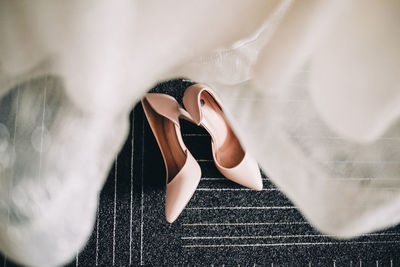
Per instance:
(311,86)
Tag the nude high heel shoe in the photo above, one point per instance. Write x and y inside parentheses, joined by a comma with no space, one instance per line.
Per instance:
(229,155)
(182,170)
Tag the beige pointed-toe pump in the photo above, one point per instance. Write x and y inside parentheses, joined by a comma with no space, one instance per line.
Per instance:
(230,157)
(182,170)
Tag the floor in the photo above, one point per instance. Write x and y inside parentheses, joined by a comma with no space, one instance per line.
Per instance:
(223,224)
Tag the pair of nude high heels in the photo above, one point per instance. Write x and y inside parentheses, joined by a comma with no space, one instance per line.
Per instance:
(182,170)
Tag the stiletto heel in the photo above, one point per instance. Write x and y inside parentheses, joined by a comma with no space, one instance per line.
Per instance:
(229,155)
(182,170)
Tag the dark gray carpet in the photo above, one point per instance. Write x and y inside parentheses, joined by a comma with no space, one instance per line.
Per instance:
(223,224)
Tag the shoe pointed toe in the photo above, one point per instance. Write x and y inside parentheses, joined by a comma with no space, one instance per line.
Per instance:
(246,173)
(251,169)
(181,188)
(255,182)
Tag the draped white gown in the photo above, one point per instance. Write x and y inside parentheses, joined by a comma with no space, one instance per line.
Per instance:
(312,87)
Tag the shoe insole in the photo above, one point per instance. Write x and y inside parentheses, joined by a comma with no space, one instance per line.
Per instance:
(169,141)
(229,151)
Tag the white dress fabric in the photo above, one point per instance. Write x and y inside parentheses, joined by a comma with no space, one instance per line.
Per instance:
(310,86)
